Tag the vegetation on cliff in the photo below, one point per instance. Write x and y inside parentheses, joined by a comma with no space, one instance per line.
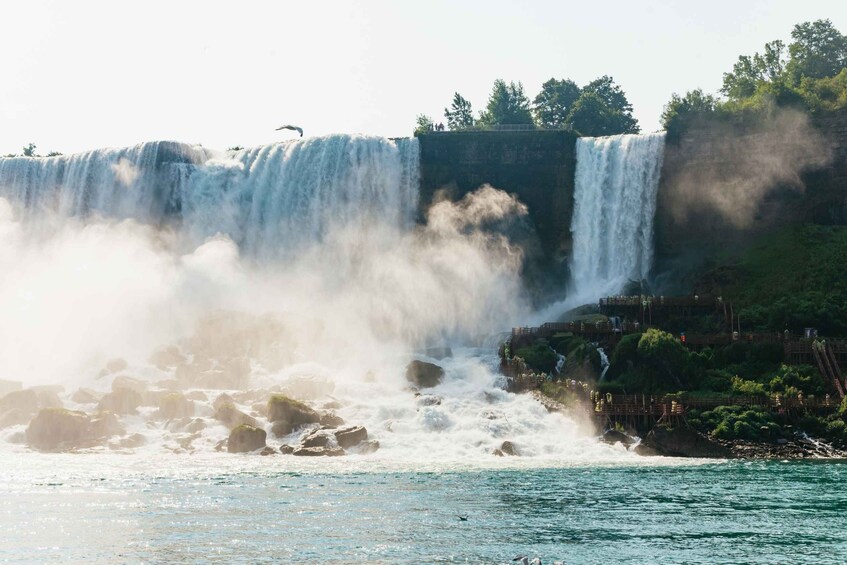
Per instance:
(598,108)
(809,74)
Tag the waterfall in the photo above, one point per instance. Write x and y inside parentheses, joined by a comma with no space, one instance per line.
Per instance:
(268,199)
(617,179)
(134,182)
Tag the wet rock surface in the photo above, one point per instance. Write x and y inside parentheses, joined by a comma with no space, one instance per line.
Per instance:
(423,374)
(245,438)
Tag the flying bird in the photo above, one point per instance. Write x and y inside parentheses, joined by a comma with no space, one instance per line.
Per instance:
(295,128)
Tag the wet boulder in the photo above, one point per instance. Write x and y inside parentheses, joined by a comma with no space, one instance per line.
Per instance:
(120,401)
(508,448)
(318,438)
(331,420)
(318,452)
(58,429)
(680,441)
(286,449)
(616,436)
(124,382)
(222,399)
(19,407)
(232,417)
(246,438)
(287,414)
(86,396)
(175,405)
(423,374)
(348,437)
(369,446)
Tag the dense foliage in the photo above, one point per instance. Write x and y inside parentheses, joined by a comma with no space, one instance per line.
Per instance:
(810,74)
(599,108)
(789,280)
(507,105)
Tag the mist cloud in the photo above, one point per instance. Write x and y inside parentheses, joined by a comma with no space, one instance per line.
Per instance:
(732,174)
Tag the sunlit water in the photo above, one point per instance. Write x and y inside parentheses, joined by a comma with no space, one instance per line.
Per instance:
(221,508)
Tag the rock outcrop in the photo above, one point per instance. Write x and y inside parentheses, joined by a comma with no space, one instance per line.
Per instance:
(246,438)
(175,405)
(423,374)
(348,437)
(232,417)
(287,414)
(680,442)
(58,429)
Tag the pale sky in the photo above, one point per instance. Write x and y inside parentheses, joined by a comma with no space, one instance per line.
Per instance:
(82,75)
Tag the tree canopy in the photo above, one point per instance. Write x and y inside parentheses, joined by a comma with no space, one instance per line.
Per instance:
(460,115)
(555,101)
(507,105)
(810,74)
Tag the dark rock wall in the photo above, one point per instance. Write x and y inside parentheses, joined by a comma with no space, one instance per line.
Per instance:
(537,166)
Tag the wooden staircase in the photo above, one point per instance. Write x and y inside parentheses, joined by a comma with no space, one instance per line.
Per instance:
(828,365)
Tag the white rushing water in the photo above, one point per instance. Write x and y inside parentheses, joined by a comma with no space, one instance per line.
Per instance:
(294,267)
(617,179)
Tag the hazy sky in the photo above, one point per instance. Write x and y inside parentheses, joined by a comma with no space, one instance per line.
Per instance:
(80,75)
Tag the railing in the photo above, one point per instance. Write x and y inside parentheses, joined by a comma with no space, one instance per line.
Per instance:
(696,301)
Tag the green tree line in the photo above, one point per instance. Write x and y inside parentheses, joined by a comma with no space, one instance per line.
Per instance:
(598,108)
(810,74)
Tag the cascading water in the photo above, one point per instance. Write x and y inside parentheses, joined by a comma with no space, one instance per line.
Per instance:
(617,179)
(267,199)
(295,266)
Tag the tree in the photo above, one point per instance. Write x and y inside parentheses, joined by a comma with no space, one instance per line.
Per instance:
(424,124)
(749,73)
(554,102)
(460,115)
(592,116)
(818,51)
(507,104)
(29,150)
(681,110)
(619,109)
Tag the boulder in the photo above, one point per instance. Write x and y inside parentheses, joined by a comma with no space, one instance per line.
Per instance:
(268,450)
(287,414)
(369,446)
(616,436)
(105,425)
(196,425)
(318,451)
(129,442)
(174,405)
(423,374)
(246,438)
(330,419)
(286,449)
(348,437)
(22,400)
(120,401)
(317,438)
(680,441)
(86,396)
(122,381)
(222,398)
(508,448)
(232,417)
(57,429)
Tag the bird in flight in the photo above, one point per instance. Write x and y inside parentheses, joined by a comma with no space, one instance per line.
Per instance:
(295,128)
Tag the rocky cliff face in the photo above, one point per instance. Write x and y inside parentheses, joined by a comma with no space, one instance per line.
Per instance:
(537,166)
(725,184)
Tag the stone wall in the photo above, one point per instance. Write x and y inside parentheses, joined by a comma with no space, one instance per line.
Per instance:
(537,166)
(758,180)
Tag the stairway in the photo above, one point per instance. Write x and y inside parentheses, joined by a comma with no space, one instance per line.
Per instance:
(828,365)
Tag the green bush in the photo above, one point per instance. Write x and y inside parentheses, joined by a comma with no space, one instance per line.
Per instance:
(538,357)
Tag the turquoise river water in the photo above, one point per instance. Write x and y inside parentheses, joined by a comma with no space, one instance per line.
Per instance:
(114,509)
